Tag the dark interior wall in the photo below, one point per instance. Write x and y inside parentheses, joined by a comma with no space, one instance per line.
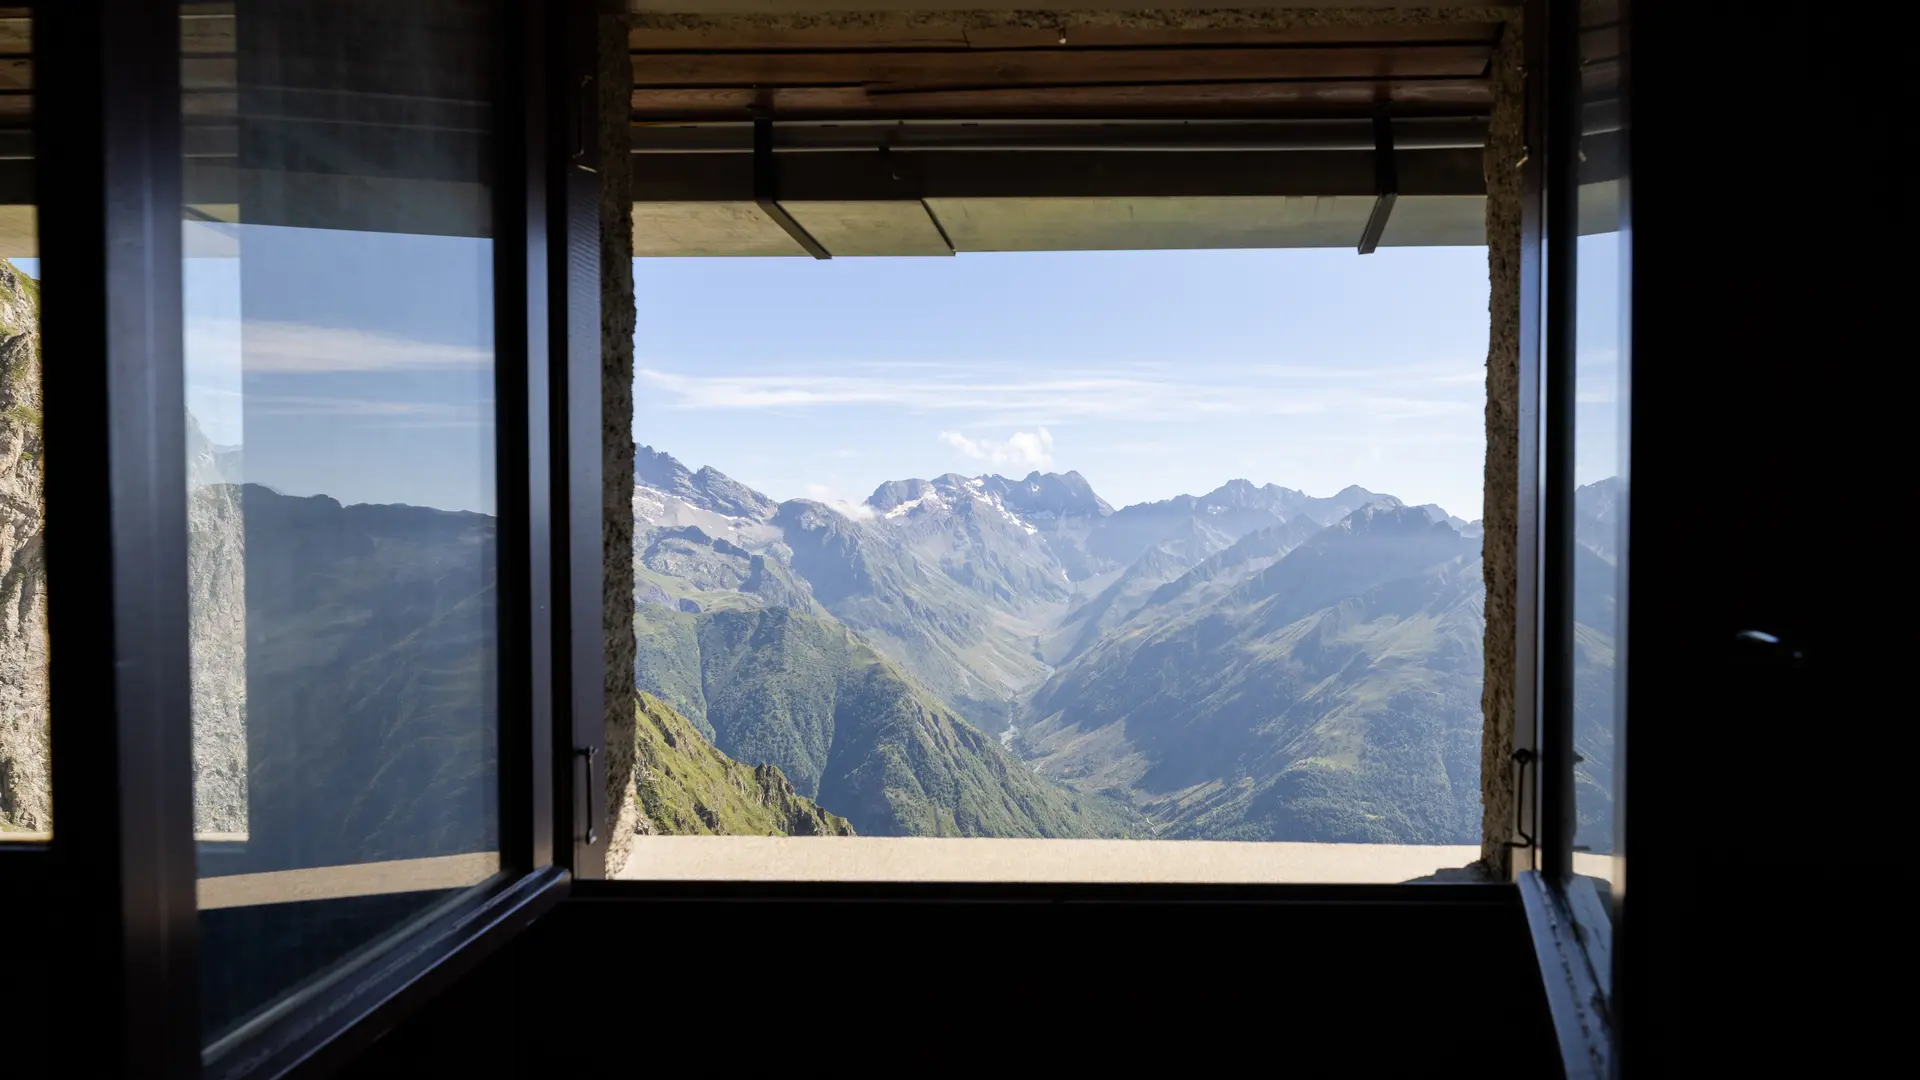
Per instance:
(1441,986)
(1768,803)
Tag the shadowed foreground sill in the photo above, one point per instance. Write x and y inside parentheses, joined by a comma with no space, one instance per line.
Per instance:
(868,858)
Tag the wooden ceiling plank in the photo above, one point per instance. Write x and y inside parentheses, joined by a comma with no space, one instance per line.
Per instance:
(832,39)
(199,74)
(646,39)
(1131,37)
(1411,97)
(1057,67)
(208,36)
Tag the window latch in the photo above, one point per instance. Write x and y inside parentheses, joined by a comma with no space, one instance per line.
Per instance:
(591,753)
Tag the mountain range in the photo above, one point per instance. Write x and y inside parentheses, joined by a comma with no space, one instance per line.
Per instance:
(1249,663)
(961,655)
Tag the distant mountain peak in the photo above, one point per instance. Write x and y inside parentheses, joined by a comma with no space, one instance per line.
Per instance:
(657,466)
(1037,496)
(1056,494)
(708,489)
(1389,514)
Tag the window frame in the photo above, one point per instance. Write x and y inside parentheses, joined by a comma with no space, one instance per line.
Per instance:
(121,863)
(120,867)
(1571,928)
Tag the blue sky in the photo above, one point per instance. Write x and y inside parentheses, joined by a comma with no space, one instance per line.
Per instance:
(356,365)
(368,372)
(1598,390)
(1152,373)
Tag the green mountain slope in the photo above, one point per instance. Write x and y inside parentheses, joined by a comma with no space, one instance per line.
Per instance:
(1332,696)
(370,668)
(972,655)
(687,787)
(850,728)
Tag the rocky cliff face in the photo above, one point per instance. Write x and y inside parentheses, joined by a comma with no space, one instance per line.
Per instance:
(217,583)
(25,778)
(216,573)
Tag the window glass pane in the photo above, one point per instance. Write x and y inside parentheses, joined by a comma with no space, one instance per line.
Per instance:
(340,364)
(26,776)
(1600,372)
(1062,546)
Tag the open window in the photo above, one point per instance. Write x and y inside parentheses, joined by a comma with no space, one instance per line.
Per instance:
(1130,334)
(1091,451)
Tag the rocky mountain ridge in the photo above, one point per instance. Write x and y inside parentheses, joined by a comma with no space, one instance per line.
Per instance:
(1250,663)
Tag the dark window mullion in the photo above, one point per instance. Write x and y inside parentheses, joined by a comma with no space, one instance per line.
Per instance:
(1523,839)
(522,411)
(1561,198)
(108,145)
(573,271)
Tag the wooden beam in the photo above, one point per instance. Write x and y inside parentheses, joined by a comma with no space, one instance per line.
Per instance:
(207,33)
(1104,37)
(754,39)
(829,39)
(856,176)
(209,73)
(1410,98)
(899,73)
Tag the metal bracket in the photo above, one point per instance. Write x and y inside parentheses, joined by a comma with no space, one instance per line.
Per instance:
(766,189)
(1386,181)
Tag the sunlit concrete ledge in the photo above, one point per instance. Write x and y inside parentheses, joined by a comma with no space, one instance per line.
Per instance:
(770,858)
(927,859)
(430,874)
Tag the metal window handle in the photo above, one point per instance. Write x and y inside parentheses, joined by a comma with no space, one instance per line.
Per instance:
(1765,649)
(1522,760)
(591,753)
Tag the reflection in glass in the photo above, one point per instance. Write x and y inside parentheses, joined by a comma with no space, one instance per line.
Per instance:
(339,360)
(1600,372)
(26,773)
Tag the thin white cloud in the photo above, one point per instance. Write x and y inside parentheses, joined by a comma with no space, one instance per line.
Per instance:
(1596,379)
(1063,396)
(838,500)
(390,413)
(1022,449)
(301,348)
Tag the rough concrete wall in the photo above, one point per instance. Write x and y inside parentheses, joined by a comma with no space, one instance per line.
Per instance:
(616,435)
(1506,149)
